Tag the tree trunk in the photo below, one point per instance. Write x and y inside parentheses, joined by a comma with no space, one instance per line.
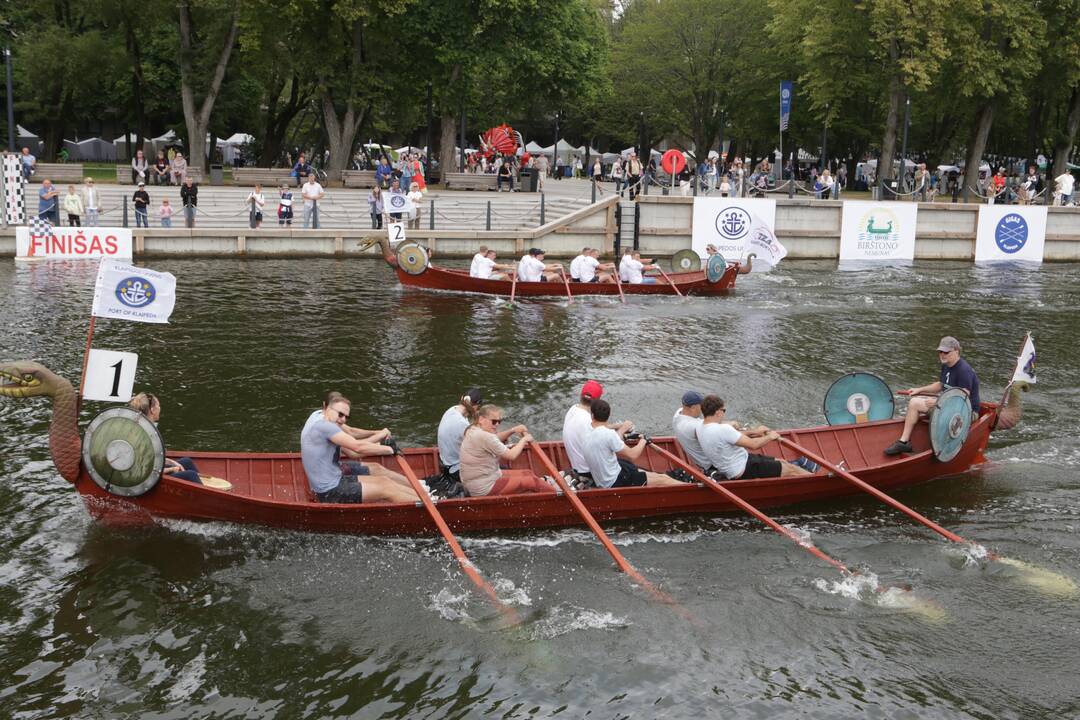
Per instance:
(278,120)
(1065,145)
(197,117)
(980,131)
(892,122)
(448,160)
(341,134)
(137,84)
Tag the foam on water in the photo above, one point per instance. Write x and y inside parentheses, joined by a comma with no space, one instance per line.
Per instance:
(566,618)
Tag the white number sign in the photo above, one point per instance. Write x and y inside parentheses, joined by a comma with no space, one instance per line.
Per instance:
(396,231)
(110,375)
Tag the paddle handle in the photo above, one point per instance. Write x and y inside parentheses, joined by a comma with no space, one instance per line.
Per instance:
(513,283)
(455,547)
(747,507)
(863,485)
(618,284)
(670,282)
(566,283)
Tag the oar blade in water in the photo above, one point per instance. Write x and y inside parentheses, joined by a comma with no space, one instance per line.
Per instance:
(1046,581)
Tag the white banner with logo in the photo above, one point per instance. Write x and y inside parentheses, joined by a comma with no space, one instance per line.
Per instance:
(767,250)
(1010,233)
(90,243)
(398,203)
(126,292)
(727,223)
(878,230)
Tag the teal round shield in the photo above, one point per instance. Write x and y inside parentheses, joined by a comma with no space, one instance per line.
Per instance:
(950,423)
(858,397)
(715,268)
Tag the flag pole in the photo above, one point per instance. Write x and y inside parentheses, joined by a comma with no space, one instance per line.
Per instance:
(85,362)
(781,124)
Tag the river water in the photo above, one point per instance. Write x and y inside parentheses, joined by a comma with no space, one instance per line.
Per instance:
(191,620)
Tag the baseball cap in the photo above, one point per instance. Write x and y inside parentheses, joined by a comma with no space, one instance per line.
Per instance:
(948,343)
(142,184)
(692,397)
(474,395)
(535,251)
(592,390)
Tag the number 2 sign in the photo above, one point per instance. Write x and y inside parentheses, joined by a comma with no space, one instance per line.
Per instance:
(110,375)
(396,231)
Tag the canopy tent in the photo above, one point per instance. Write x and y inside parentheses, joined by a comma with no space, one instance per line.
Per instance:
(411,149)
(120,147)
(375,150)
(534,148)
(29,140)
(591,152)
(609,157)
(653,152)
(91,149)
(232,146)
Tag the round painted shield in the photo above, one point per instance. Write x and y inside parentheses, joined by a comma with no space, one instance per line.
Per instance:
(857,398)
(715,268)
(685,261)
(123,452)
(412,258)
(950,422)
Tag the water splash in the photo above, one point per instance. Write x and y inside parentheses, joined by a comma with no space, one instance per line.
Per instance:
(566,618)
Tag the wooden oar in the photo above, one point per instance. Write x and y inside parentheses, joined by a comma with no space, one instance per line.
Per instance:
(670,282)
(508,612)
(618,284)
(589,520)
(569,297)
(1045,579)
(513,284)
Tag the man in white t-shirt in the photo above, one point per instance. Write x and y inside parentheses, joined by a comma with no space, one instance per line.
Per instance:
(1065,182)
(633,267)
(727,448)
(686,422)
(531,267)
(575,265)
(591,268)
(611,460)
(486,268)
(578,423)
(313,193)
(481,253)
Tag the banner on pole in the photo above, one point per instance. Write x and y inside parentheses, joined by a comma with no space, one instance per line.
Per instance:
(43,241)
(1010,233)
(878,231)
(767,250)
(126,292)
(1025,364)
(729,223)
(398,203)
(786,87)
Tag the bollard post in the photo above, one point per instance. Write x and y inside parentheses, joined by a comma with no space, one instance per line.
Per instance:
(791,184)
(487,225)
(431,215)
(125,212)
(594,191)
(695,184)
(542,208)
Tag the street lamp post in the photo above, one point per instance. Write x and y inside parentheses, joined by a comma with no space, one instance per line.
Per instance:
(903,147)
(10,102)
(555,147)
(427,164)
(825,141)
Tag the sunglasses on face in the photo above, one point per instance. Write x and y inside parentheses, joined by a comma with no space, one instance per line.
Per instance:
(495,421)
(343,417)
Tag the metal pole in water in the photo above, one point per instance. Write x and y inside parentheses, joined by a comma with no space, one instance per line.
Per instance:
(541,208)
(488,224)
(431,215)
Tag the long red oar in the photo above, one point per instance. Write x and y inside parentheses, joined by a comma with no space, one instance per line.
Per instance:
(466,565)
(513,284)
(1040,577)
(618,283)
(670,281)
(589,520)
(569,297)
(721,490)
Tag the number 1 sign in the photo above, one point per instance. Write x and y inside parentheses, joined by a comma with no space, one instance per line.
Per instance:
(110,375)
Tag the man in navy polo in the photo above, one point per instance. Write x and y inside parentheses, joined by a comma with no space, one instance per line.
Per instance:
(955,373)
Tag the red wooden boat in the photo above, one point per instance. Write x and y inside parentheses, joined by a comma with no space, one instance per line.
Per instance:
(419,273)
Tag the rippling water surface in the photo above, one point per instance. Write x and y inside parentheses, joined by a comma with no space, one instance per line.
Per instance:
(214,620)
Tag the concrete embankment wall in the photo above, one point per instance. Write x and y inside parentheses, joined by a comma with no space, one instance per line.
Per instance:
(808,228)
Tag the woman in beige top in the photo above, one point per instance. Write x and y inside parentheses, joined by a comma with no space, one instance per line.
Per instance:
(481,451)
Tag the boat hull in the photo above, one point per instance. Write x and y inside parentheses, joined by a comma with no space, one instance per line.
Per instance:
(271,489)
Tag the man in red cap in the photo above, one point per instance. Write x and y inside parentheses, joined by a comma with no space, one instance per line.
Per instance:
(578,424)
(955,373)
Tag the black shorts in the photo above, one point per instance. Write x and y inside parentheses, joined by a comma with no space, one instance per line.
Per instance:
(348,490)
(630,475)
(760,466)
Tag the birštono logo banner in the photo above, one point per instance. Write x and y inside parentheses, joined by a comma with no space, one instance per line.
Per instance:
(878,231)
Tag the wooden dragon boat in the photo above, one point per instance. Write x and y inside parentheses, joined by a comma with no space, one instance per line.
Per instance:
(414,269)
(271,489)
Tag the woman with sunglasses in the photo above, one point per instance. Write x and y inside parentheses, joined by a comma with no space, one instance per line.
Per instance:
(483,449)
(323,438)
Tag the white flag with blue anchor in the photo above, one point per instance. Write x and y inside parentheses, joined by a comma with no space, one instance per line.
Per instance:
(126,292)
(1025,364)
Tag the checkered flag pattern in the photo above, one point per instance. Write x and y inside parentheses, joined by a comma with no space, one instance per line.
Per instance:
(40,227)
(14,190)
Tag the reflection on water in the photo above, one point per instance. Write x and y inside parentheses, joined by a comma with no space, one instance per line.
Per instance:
(195,620)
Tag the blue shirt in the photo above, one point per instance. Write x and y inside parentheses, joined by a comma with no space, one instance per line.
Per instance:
(321,458)
(961,375)
(44,204)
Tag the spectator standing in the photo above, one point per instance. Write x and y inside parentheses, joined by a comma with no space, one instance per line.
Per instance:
(255,202)
(407,171)
(597,171)
(160,171)
(91,201)
(543,166)
(711,174)
(285,208)
(579,167)
(313,193)
(48,205)
(165,212)
(841,177)
(1064,183)
(139,168)
(29,164)
(416,197)
(189,196)
(633,175)
(141,200)
(1033,184)
(417,172)
(178,169)
(73,206)
(617,175)
(375,207)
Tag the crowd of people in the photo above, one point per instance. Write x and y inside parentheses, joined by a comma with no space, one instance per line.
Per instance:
(584,268)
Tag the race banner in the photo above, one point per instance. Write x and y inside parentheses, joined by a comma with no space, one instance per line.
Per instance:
(1010,233)
(727,223)
(786,87)
(877,231)
(767,250)
(46,242)
(398,203)
(126,292)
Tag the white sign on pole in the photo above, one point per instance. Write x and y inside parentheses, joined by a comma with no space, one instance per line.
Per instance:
(73,243)
(727,223)
(1011,233)
(396,231)
(878,230)
(398,203)
(110,375)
